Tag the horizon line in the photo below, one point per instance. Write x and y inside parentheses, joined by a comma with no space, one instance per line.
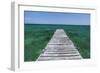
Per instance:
(50,24)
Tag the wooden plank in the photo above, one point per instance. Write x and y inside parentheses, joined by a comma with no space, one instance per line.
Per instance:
(60,47)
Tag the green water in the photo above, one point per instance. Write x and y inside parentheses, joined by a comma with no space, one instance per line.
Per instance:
(38,35)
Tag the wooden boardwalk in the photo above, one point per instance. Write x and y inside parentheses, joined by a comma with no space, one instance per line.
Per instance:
(60,47)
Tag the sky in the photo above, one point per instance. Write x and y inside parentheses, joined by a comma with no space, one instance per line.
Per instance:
(40,17)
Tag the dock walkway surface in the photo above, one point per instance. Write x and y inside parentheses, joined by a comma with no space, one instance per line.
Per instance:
(60,47)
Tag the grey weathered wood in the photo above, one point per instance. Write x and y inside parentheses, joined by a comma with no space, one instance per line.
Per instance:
(60,47)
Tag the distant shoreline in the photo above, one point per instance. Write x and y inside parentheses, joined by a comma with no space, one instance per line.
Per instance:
(57,24)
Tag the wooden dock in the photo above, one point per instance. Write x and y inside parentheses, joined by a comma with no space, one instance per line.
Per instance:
(60,47)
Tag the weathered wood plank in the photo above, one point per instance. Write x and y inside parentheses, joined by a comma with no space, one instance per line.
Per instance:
(60,47)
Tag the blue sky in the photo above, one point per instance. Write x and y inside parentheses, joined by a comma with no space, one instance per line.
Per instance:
(40,17)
